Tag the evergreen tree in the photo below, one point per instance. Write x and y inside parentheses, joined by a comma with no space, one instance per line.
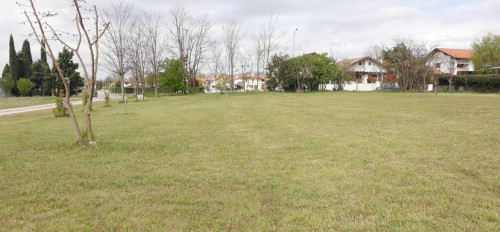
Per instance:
(6,83)
(69,68)
(14,64)
(13,61)
(6,71)
(39,72)
(26,60)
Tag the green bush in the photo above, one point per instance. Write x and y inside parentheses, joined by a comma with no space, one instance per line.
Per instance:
(60,110)
(486,83)
(24,85)
(106,99)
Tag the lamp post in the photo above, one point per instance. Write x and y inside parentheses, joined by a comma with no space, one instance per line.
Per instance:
(293,53)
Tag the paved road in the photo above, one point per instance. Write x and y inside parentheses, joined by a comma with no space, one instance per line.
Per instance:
(27,109)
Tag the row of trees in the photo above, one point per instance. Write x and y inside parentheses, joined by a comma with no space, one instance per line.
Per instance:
(37,77)
(142,45)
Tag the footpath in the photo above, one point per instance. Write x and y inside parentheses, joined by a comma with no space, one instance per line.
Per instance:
(28,109)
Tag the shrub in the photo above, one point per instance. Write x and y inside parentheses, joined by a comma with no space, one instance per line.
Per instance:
(106,99)
(60,110)
(487,83)
(24,85)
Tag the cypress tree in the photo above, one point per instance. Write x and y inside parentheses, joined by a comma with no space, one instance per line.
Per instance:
(6,71)
(13,60)
(26,60)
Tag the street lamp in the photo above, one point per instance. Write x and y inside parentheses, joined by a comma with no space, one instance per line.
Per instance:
(293,54)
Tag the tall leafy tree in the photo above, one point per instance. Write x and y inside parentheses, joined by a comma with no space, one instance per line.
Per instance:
(487,52)
(299,73)
(173,77)
(25,60)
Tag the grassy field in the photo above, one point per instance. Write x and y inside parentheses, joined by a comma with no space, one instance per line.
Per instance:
(259,162)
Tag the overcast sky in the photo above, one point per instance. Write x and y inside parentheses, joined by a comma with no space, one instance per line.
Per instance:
(341,27)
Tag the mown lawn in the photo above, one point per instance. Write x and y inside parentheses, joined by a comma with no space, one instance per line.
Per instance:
(259,162)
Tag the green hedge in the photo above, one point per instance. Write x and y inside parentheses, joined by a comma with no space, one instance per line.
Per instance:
(487,83)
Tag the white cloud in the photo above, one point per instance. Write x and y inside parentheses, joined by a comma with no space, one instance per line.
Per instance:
(324,25)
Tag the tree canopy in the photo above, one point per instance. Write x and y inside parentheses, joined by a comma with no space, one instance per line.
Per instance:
(408,60)
(173,77)
(68,67)
(25,60)
(487,52)
(300,73)
(25,86)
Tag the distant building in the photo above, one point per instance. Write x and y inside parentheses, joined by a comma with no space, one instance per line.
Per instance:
(445,60)
(368,74)
(242,83)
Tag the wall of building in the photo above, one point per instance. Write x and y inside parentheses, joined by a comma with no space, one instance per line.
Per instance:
(449,63)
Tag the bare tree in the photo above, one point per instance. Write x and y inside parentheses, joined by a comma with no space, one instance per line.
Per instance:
(246,62)
(191,36)
(198,41)
(115,40)
(216,54)
(152,24)
(408,60)
(271,37)
(92,42)
(232,38)
(137,54)
(259,50)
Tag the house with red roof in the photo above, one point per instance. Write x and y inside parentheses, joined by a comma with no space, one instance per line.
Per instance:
(368,74)
(452,61)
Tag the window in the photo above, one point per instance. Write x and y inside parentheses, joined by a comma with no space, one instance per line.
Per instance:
(437,65)
(359,63)
(369,63)
(460,65)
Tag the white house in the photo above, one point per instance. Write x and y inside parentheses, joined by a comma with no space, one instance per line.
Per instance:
(368,74)
(242,83)
(452,61)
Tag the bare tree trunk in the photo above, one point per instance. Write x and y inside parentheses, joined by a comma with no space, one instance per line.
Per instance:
(232,39)
(122,86)
(48,50)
